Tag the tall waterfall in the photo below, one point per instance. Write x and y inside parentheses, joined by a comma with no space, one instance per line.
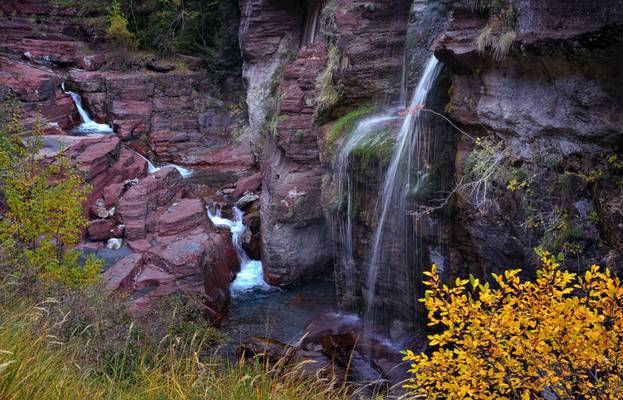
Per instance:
(88,125)
(251,277)
(393,232)
(363,130)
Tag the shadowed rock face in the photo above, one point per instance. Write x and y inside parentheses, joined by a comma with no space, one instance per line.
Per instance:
(554,101)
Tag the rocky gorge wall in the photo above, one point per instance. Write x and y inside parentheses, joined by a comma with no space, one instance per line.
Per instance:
(282,75)
(150,225)
(551,107)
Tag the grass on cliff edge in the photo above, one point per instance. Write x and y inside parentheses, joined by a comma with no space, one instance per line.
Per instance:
(346,123)
(65,349)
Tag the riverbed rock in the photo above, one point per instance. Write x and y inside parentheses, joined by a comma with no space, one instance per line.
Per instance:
(183,215)
(100,229)
(138,204)
(250,183)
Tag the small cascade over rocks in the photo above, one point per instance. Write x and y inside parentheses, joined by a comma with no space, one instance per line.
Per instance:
(88,126)
(407,173)
(250,279)
(185,172)
(151,168)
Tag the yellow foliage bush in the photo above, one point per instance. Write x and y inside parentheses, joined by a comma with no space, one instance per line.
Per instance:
(559,337)
(118,31)
(44,199)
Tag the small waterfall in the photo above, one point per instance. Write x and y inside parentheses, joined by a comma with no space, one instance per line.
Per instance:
(251,277)
(313,9)
(88,125)
(393,233)
(363,130)
(151,168)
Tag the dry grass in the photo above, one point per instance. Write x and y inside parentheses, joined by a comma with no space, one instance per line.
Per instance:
(62,350)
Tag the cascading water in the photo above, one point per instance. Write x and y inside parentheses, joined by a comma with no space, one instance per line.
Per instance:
(251,277)
(363,130)
(88,125)
(312,21)
(151,168)
(185,172)
(406,173)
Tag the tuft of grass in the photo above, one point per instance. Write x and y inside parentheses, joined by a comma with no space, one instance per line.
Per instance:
(503,45)
(345,123)
(327,93)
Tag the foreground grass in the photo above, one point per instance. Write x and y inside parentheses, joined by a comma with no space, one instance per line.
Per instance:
(35,364)
(45,354)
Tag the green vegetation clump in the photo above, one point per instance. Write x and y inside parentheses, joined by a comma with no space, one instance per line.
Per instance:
(375,150)
(484,170)
(346,123)
(117,31)
(199,28)
(44,200)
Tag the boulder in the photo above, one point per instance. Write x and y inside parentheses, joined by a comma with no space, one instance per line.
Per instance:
(251,183)
(137,206)
(182,216)
(121,275)
(100,229)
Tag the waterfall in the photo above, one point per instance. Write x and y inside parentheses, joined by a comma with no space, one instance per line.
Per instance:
(88,125)
(392,232)
(363,130)
(251,277)
(312,21)
(151,168)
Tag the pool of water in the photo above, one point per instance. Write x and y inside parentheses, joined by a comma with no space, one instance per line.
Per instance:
(280,315)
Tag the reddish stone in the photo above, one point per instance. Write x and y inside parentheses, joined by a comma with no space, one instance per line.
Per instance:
(130,128)
(138,204)
(219,270)
(250,183)
(112,193)
(100,229)
(130,109)
(98,210)
(118,231)
(29,83)
(121,275)
(184,215)
(92,62)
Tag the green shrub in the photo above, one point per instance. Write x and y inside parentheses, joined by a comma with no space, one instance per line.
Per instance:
(45,216)
(117,31)
(375,150)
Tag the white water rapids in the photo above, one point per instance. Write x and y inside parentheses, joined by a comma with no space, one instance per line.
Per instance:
(250,278)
